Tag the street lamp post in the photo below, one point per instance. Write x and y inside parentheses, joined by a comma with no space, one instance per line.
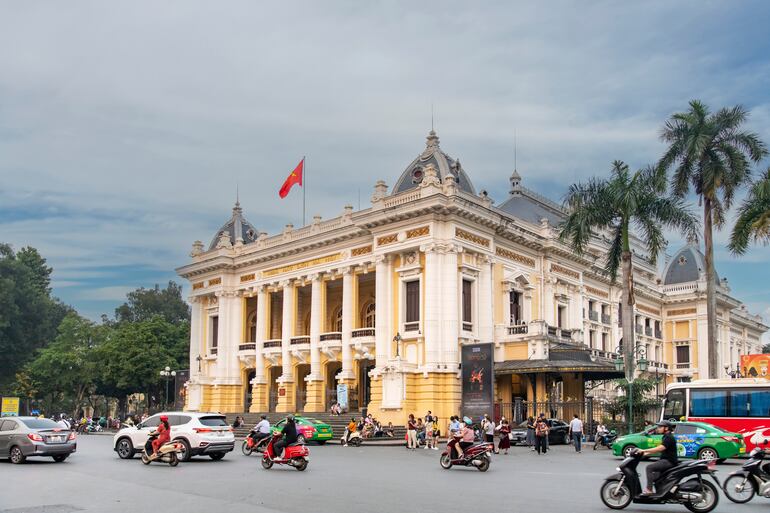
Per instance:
(640,354)
(397,339)
(167,374)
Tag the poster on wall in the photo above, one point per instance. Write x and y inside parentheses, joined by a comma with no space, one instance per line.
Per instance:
(180,391)
(342,396)
(478,380)
(755,365)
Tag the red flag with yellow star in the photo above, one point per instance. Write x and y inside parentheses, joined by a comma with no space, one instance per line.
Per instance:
(294,178)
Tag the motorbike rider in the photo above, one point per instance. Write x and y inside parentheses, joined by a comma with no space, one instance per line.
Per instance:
(468,436)
(261,430)
(289,437)
(350,429)
(164,434)
(667,450)
(601,434)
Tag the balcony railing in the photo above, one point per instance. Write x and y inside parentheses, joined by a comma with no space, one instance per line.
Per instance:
(658,334)
(249,346)
(685,365)
(648,331)
(593,315)
(639,329)
(302,339)
(518,329)
(606,319)
(467,326)
(333,335)
(213,351)
(412,326)
(362,332)
(271,343)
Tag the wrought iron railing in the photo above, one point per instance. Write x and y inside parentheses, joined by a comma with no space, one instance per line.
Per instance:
(271,343)
(334,335)
(302,339)
(593,315)
(363,332)
(250,346)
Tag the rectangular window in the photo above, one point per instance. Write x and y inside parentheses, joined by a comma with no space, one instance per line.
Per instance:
(515,307)
(591,339)
(760,403)
(561,317)
(674,409)
(682,354)
(413,302)
(214,331)
(467,310)
(708,403)
(605,337)
(749,403)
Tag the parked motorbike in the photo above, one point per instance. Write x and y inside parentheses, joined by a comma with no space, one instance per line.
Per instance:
(354,439)
(606,440)
(295,455)
(476,455)
(167,453)
(683,484)
(249,445)
(753,478)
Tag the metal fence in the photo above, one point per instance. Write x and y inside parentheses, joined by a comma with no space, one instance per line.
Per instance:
(591,412)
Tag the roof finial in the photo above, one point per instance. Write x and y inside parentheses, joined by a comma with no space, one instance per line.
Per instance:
(237,194)
(514,150)
(431,117)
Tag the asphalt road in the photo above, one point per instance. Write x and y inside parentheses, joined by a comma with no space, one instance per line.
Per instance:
(338,480)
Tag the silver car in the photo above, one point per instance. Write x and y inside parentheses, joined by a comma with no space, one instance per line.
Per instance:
(22,437)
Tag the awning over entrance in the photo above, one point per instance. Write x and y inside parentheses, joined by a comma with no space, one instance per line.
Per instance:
(563,359)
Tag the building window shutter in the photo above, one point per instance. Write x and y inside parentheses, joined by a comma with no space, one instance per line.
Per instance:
(214,331)
(467,315)
(413,301)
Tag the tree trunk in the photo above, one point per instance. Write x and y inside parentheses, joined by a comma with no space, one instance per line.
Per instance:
(627,313)
(711,293)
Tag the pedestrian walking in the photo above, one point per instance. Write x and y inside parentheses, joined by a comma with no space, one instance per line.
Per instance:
(429,440)
(505,433)
(531,432)
(576,432)
(541,435)
(488,428)
(411,433)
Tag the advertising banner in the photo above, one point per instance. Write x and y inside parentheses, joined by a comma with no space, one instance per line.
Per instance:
(10,407)
(342,396)
(478,380)
(755,365)
(180,392)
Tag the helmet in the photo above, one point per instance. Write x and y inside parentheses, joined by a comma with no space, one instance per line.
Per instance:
(290,417)
(666,424)
(467,420)
(263,416)
(164,418)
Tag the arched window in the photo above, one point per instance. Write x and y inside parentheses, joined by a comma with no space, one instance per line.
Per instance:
(252,327)
(337,319)
(368,315)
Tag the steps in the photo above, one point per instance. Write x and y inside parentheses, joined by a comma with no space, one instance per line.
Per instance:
(338,424)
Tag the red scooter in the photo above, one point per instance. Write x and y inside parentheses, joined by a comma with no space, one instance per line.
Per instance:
(295,455)
(477,455)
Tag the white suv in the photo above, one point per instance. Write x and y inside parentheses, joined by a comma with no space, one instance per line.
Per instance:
(199,433)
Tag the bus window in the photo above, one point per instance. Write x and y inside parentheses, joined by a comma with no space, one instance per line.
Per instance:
(739,403)
(708,403)
(674,405)
(759,403)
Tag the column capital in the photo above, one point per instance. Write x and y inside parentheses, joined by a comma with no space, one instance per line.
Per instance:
(285,283)
(193,299)
(381,259)
(441,247)
(315,277)
(347,270)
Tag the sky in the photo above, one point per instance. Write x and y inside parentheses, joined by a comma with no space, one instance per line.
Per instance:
(126,126)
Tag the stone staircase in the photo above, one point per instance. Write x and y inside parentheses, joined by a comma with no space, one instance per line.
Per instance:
(338,424)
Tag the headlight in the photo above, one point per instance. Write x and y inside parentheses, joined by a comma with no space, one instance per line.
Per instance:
(617,469)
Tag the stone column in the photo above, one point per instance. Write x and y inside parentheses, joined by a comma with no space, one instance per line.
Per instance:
(286,401)
(382,311)
(196,351)
(435,288)
(347,324)
(449,314)
(259,389)
(314,401)
(227,394)
(484,291)
(549,303)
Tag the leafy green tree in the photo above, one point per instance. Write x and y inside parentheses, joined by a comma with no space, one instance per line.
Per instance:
(753,223)
(29,316)
(710,154)
(617,205)
(143,304)
(642,403)
(67,367)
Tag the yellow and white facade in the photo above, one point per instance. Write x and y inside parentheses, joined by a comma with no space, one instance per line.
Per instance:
(383,298)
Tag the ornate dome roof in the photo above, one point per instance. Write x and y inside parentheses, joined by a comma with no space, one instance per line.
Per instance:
(236,229)
(413,174)
(687,265)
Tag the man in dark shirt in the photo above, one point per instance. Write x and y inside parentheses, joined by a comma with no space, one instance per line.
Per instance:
(667,450)
(289,432)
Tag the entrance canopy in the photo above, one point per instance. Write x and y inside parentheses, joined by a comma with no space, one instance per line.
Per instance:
(563,359)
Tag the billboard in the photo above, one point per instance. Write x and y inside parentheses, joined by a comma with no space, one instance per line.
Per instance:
(180,391)
(10,407)
(478,380)
(755,365)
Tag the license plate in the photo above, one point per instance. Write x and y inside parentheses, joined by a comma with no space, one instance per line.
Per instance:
(220,433)
(55,439)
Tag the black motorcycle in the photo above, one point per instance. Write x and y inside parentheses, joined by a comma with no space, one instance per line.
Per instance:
(605,440)
(753,478)
(683,484)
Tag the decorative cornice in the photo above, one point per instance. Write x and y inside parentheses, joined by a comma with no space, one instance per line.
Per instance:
(387,239)
(597,292)
(472,237)
(269,273)
(516,257)
(682,311)
(414,233)
(647,309)
(556,268)
(364,250)
(248,277)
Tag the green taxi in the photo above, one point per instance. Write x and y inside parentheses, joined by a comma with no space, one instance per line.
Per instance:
(308,429)
(693,440)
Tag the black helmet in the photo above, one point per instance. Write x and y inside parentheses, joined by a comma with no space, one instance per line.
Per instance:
(290,417)
(666,424)
(263,416)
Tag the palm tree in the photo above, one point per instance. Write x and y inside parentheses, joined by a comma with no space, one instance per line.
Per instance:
(619,204)
(753,223)
(711,154)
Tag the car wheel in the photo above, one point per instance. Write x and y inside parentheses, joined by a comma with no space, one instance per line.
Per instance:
(321,442)
(708,454)
(301,439)
(628,449)
(216,456)
(60,457)
(16,455)
(125,449)
(185,454)
(565,440)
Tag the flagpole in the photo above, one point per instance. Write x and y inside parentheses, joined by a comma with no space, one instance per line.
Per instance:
(304,186)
